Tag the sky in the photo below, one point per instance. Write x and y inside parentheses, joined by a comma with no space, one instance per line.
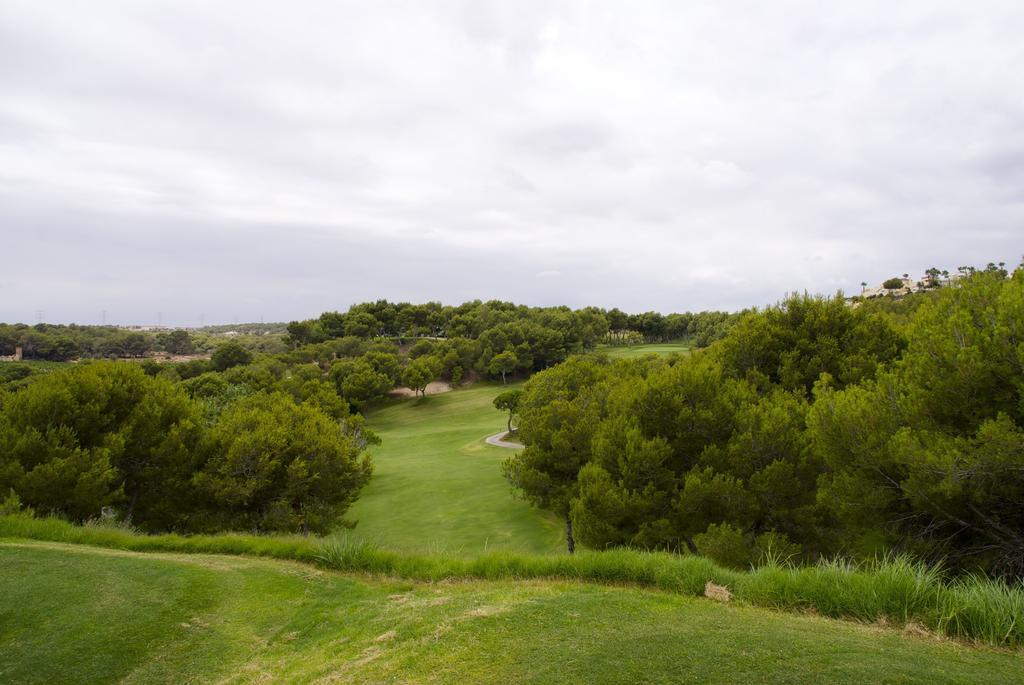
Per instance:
(185,162)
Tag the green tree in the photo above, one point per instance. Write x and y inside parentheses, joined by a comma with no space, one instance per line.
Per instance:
(894,283)
(556,420)
(276,465)
(419,373)
(229,355)
(358,382)
(509,401)
(98,435)
(503,363)
(177,342)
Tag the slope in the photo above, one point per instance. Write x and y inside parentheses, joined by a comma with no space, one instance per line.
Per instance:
(76,614)
(437,485)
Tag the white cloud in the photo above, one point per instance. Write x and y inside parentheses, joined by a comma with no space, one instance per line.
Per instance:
(276,159)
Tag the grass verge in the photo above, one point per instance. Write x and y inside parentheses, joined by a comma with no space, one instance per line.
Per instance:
(895,590)
(79,614)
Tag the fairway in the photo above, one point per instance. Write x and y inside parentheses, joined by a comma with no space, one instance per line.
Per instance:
(76,614)
(437,485)
(633,351)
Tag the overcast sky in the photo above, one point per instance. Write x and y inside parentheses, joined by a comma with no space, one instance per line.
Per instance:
(278,159)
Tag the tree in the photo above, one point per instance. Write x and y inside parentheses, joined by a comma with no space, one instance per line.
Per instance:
(419,373)
(503,363)
(893,283)
(509,401)
(361,325)
(556,420)
(229,355)
(103,434)
(275,465)
(177,342)
(304,333)
(358,382)
(929,454)
(794,342)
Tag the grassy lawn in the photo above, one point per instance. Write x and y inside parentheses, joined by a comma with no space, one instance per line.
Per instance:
(437,485)
(631,351)
(75,614)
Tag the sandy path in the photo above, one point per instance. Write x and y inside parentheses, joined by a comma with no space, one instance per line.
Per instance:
(433,388)
(497,441)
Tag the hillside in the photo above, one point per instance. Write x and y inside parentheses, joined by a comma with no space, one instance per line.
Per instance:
(436,484)
(151,618)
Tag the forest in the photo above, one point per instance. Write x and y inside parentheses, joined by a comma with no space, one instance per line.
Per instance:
(810,428)
(260,433)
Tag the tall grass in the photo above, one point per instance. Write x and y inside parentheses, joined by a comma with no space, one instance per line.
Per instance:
(894,589)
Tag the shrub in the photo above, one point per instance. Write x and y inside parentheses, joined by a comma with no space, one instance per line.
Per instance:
(725,544)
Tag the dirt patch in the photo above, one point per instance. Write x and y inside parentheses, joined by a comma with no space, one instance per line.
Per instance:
(434,388)
(719,593)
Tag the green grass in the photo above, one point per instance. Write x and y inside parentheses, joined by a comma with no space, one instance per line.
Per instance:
(633,351)
(894,590)
(73,614)
(437,485)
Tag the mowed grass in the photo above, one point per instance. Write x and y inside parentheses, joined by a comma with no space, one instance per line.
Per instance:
(438,486)
(76,614)
(633,351)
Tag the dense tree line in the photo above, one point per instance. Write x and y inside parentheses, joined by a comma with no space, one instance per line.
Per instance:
(812,428)
(106,436)
(51,342)
(497,338)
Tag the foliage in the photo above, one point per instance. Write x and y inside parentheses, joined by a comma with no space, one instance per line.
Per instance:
(929,454)
(420,372)
(893,283)
(107,435)
(792,344)
(818,426)
(358,381)
(176,342)
(509,401)
(278,465)
(229,355)
(100,435)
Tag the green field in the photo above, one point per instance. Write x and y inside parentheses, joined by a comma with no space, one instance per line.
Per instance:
(76,614)
(437,485)
(632,351)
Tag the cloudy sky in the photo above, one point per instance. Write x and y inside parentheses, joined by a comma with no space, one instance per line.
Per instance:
(239,160)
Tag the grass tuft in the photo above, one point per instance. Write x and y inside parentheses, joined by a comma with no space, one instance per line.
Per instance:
(893,589)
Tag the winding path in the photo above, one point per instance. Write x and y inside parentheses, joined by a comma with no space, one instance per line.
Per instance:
(497,441)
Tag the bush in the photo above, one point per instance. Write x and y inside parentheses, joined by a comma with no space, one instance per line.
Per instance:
(726,544)
(229,355)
